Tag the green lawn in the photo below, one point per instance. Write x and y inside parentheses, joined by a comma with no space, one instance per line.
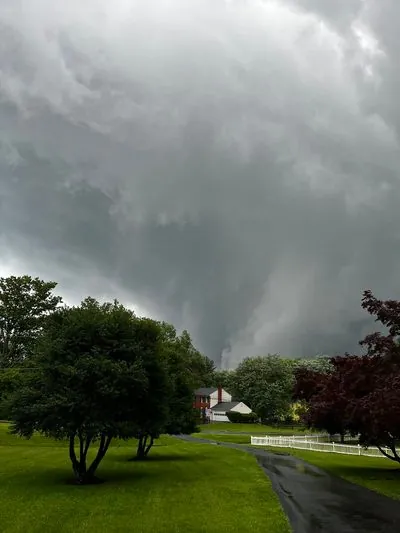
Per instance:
(237,439)
(184,487)
(250,429)
(376,473)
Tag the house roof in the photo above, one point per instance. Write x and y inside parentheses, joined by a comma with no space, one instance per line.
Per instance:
(224,406)
(205,391)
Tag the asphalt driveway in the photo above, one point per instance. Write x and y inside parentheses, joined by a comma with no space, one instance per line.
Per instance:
(315,501)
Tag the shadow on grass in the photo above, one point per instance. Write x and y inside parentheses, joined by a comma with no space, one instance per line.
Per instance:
(63,477)
(113,477)
(162,458)
(159,458)
(372,473)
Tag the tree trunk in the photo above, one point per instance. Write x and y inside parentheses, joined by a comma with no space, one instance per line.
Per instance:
(84,475)
(78,466)
(103,447)
(144,446)
(149,446)
(140,455)
(392,447)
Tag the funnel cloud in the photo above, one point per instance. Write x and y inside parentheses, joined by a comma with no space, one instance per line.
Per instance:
(229,166)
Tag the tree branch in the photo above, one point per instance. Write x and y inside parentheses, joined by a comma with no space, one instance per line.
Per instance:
(108,442)
(103,447)
(102,441)
(80,446)
(383,452)
(87,444)
(72,454)
(146,451)
(392,447)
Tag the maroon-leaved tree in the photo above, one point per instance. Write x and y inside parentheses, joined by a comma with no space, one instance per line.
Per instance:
(387,312)
(362,393)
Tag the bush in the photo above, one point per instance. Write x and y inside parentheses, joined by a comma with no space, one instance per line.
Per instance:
(240,418)
(4,412)
(289,424)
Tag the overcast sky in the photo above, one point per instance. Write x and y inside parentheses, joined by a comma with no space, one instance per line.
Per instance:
(229,166)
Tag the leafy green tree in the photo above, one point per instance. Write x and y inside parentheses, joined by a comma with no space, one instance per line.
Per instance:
(88,380)
(24,302)
(169,407)
(183,380)
(10,380)
(202,367)
(224,379)
(153,416)
(320,363)
(265,384)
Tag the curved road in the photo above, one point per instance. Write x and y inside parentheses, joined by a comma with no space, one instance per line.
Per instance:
(315,501)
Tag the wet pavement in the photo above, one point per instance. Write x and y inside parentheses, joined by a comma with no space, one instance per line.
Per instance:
(315,501)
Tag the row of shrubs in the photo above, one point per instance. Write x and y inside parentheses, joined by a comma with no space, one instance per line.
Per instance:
(240,418)
(252,418)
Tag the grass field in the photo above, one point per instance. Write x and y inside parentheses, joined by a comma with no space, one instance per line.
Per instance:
(237,439)
(250,429)
(183,487)
(375,473)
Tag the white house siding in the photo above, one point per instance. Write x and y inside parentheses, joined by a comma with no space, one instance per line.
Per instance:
(220,416)
(241,408)
(226,397)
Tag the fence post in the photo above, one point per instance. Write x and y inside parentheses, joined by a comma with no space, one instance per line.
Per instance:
(359,449)
(333,446)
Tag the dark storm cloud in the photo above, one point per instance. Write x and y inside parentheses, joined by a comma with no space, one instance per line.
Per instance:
(229,166)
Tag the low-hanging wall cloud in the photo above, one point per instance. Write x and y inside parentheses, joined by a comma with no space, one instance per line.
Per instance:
(229,166)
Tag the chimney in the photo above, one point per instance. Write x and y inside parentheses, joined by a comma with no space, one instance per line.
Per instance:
(219,394)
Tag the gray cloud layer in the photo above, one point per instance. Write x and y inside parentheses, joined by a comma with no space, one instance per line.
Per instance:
(231,166)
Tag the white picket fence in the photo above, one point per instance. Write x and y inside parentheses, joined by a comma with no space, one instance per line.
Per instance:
(310,442)
(314,437)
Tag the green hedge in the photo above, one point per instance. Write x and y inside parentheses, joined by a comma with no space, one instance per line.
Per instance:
(240,418)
